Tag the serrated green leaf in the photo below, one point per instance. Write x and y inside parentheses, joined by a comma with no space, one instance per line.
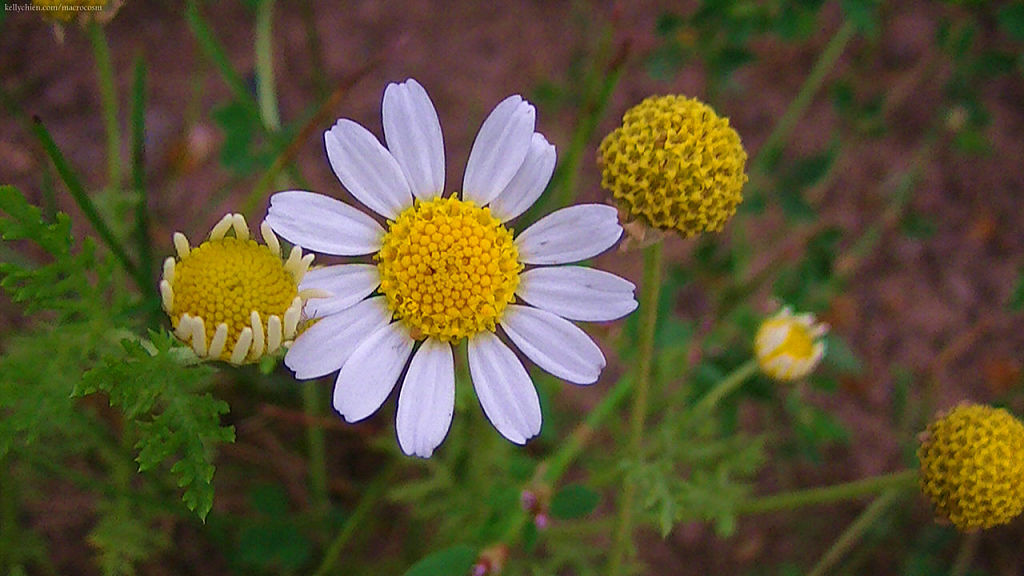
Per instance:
(175,422)
(574,501)
(454,560)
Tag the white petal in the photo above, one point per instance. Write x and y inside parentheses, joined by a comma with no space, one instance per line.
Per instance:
(427,400)
(370,373)
(528,183)
(570,235)
(329,342)
(504,389)
(413,134)
(322,224)
(499,150)
(554,343)
(348,284)
(367,169)
(578,293)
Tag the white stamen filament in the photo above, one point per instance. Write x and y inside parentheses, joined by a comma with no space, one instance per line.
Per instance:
(270,238)
(166,296)
(291,318)
(199,337)
(273,333)
(307,260)
(184,329)
(181,245)
(242,346)
(221,228)
(241,228)
(220,338)
(169,269)
(294,261)
(258,338)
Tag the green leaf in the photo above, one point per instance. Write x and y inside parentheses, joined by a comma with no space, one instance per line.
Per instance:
(1011,20)
(175,422)
(455,560)
(1017,299)
(574,501)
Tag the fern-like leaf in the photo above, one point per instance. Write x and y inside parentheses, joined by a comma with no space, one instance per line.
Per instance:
(175,421)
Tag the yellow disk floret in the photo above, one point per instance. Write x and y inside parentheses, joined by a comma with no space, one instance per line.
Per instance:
(789,347)
(972,466)
(232,298)
(448,268)
(675,165)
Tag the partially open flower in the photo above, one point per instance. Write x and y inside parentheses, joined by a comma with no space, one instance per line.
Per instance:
(972,466)
(675,165)
(789,347)
(232,298)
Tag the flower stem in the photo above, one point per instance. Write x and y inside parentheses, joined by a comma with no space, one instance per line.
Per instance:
(724,387)
(316,444)
(826,61)
(108,100)
(265,91)
(853,533)
(645,345)
(85,203)
(371,497)
(838,493)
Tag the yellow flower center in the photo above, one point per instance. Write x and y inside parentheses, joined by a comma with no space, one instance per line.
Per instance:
(448,268)
(675,164)
(224,280)
(972,464)
(798,342)
(789,346)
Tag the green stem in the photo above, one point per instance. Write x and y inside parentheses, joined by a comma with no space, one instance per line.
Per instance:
(724,387)
(265,91)
(216,54)
(85,203)
(826,61)
(138,170)
(559,462)
(8,515)
(312,404)
(623,535)
(829,494)
(366,505)
(108,100)
(965,555)
(849,538)
(552,469)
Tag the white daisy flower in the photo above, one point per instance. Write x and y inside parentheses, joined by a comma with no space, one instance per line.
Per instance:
(447,269)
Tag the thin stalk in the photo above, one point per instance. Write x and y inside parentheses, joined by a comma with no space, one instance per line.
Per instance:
(371,497)
(215,52)
(724,387)
(312,405)
(829,494)
(8,515)
(551,470)
(265,90)
(812,84)
(559,462)
(85,204)
(853,533)
(652,274)
(965,555)
(138,169)
(108,100)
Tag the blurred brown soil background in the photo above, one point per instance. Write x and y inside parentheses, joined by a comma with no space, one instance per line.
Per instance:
(933,305)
